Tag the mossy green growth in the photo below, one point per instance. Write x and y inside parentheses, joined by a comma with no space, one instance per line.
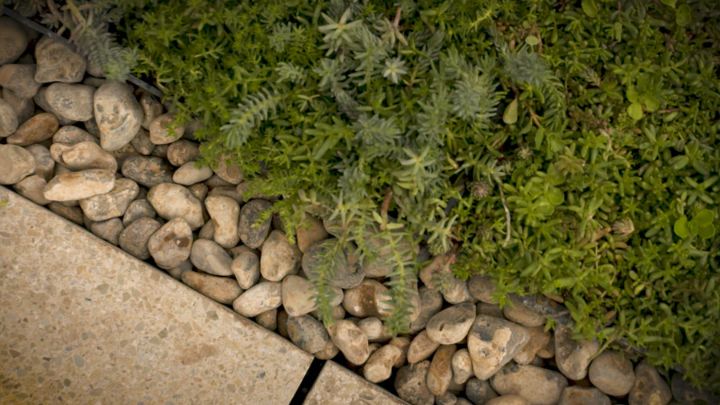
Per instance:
(564,148)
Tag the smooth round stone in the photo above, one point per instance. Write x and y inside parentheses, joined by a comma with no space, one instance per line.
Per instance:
(518,312)
(411,386)
(612,373)
(430,304)
(163,130)
(24,108)
(16,163)
(421,348)
(13,40)
(328,352)
(541,386)
(44,164)
(508,400)
(452,324)
(374,329)
(379,365)
(200,191)
(224,213)
(492,343)
(310,232)
(351,341)
(8,119)
(79,185)
(246,267)
(141,143)
(402,343)
(380,261)
(117,114)
(268,319)
(686,393)
(346,272)
(253,232)
(447,398)
(191,173)
(207,231)
(584,396)
(461,366)
(482,288)
(307,333)
(479,391)
(262,297)
(73,214)
(109,230)
(83,156)
(57,62)
(171,245)
(573,357)
(173,201)
(649,387)
(71,135)
(298,295)
(35,130)
(113,204)
(138,209)
(221,289)
(211,258)
(228,171)
(134,238)
(455,291)
(20,79)
(440,372)
(148,171)
(279,258)
(362,301)
(182,151)
(32,188)
(539,338)
(72,102)
(151,109)
(231,192)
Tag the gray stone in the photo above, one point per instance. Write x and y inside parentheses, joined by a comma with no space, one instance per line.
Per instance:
(173,201)
(109,230)
(421,348)
(649,387)
(16,163)
(279,258)
(117,114)
(141,143)
(79,185)
(310,232)
(572,357)
(148,171)
(455,291)
(72,102)
(44,164)
(113,204)
(261,297)
(182,151)
(307,333)
(537,385)
(482,288)
(32,188)
(73,214)
(57,62)
(492,343)
(24,109)
(71,135)
(253,232)
(298,295)
(228,171)
(539,338)
(685,393)
(8,119)
(163,130)
(430,304)
(221,289)
(351,341)
(211,258)
(346,272)
(246,267)
(584,396)
(411,386)
(225,213)
(160,151)
(35,130)
(20,79)
(379,365)
(452,324)
(13,40)
(191,173)
(440,372)
(134,238)
(612,373)
(171,245)
(151,109)
(518,312)
(85,155)
(138,209)
(461,366)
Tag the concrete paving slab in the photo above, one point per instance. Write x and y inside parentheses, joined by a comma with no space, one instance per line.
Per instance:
(337,385)
(83,322)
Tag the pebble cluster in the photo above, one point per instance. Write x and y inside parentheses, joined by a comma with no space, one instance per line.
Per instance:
(106,156)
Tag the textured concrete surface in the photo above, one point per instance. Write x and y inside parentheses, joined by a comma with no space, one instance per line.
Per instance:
(83,322)
(338,386)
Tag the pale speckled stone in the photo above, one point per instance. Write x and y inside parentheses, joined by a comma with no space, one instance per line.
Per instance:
(246,267)
(224,212)
(221,289)
(261,297)
(91,359)
(164,130)
(172,201)
(537,385)
(573,357)
(380,364)
(279,258)
(337,386)
(351,341)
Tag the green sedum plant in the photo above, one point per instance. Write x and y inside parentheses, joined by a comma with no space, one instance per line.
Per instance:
(566,148)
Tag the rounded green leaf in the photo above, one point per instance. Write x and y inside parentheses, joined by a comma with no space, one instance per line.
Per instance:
(510,116)
(635,111)
(683,15)
(532,40)
(590,7)
(681,227)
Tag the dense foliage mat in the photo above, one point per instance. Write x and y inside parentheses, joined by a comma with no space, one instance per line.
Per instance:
(568,148)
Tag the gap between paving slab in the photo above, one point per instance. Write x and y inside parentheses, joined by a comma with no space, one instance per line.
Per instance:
(82,321)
